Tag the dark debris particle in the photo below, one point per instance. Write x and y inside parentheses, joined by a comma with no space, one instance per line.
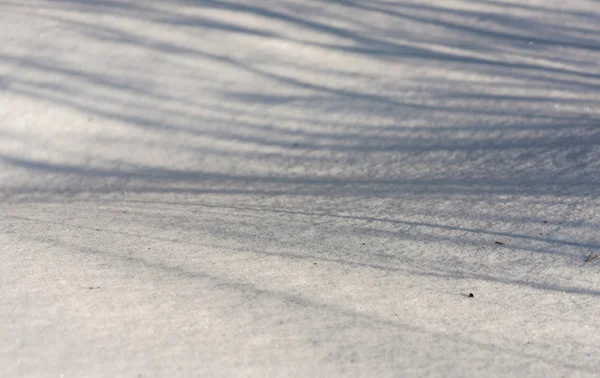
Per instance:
(94,287)
(315,263)
(295,145)
(363,243)
(471,295)
(499,243)
(97,229)
(544,221)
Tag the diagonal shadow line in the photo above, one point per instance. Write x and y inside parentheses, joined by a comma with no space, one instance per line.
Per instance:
(414,51)
(294,300)
(407,235)
(150,123)
(374,144)
(311,188)
(393,221)
(383,47)
(470,29)
(448,274)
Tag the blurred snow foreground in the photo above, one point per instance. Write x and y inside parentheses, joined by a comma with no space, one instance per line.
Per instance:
(299,188)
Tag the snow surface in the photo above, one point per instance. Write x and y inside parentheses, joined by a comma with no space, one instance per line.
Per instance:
(299,188)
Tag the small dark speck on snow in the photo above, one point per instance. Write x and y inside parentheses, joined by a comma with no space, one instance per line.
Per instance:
(499,243)
(471,295)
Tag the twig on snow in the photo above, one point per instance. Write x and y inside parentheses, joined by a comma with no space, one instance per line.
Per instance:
(591,258)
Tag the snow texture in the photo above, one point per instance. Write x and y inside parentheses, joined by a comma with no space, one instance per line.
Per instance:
(299,188)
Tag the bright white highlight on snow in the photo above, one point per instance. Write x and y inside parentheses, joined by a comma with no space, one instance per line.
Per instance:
(299,188)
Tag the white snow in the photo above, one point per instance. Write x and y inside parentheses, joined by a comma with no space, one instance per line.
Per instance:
(299,188)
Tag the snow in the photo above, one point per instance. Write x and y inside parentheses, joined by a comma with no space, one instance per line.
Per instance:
(299,188)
